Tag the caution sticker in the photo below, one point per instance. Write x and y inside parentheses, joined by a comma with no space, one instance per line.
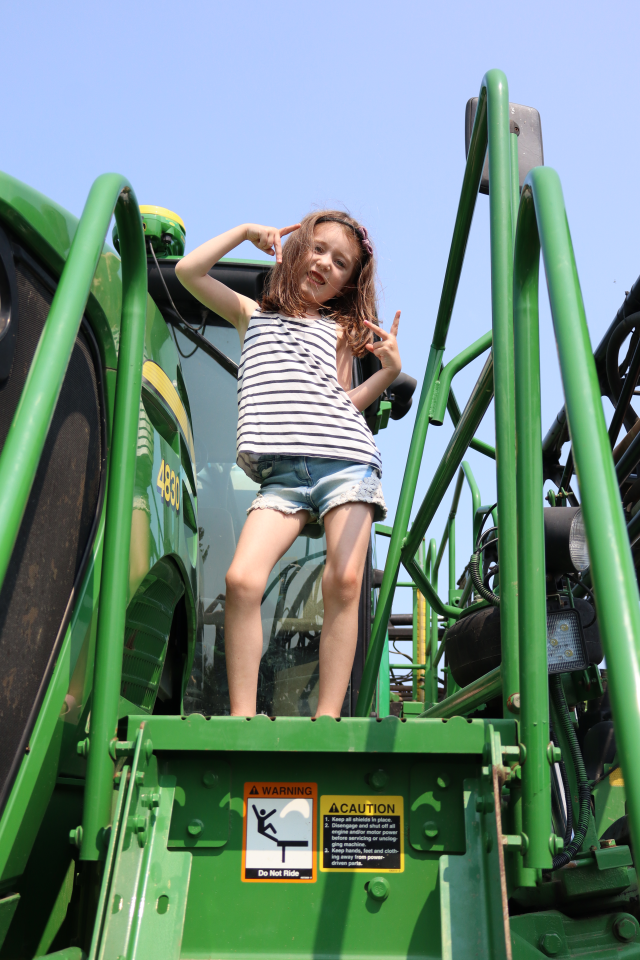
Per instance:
(362,834)
(279,832)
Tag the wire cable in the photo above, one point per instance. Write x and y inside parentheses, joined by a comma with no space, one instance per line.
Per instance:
(194,333)
(584,788)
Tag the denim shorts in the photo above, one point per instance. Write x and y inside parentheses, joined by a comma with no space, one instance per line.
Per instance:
(316,484)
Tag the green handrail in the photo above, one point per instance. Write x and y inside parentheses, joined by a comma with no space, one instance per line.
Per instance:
(27,436)
(111,194)
(431,673)
(543,221)
(467,699)
(491,125)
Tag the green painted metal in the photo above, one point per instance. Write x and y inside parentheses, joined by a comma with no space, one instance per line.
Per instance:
(301,735)
(454,412)
(515,182)
(443,384)
(612,569)
(533,686)
(431,676)
(335,916)
(8,907)
(110,193)
(472,923)
(451,525)
(501,225)
(384,684)
(467,699)
(414,638)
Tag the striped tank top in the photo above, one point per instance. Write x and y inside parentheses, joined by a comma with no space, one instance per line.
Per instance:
(289,400)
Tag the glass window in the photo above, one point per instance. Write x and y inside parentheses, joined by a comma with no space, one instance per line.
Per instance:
(292,606)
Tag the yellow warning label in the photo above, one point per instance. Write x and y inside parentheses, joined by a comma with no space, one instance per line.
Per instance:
(362,834)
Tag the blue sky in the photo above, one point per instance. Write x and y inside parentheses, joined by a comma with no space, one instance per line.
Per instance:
(258,112)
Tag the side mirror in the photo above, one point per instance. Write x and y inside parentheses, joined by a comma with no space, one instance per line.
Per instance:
(525,122)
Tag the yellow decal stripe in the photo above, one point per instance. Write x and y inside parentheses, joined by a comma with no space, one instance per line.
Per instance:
(158,379)
(162,212)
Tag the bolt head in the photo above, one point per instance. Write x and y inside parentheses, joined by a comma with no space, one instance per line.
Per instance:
(625,928)
(75,837)
(513,703)
(378,779)
(443,781)
(209,778)
(551,944)
(430,829)
(195,828)
(378,889)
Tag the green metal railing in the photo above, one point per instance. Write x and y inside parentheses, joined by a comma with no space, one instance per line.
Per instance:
(515,258)
(542,223)
(26,439)
(491,126)
(111,193)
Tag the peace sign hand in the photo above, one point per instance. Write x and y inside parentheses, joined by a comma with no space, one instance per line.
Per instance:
(386,349)
(268,239)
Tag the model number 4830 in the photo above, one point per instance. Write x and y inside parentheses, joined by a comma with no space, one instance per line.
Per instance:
(168,484)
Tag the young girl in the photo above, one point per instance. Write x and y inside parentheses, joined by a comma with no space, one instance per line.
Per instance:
(300,431)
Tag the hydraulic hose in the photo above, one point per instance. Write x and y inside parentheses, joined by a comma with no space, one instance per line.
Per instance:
(485,592)
(584,789)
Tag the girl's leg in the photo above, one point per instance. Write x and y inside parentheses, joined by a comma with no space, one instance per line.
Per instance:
(348,531)
(265,537)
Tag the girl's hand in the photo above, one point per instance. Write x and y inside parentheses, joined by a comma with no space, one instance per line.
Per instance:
(386,349)
(268,239)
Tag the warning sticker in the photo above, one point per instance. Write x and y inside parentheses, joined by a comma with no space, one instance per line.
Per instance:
(279,832)
(362,834)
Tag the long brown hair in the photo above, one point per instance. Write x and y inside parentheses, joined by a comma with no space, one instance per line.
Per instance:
(355,303)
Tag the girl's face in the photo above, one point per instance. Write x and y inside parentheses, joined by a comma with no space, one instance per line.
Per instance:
(330,264)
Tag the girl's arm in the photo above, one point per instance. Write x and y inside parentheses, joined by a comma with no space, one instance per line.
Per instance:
(386,350)
(193,270)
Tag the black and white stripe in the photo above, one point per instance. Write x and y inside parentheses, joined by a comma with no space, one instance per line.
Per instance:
(289,400)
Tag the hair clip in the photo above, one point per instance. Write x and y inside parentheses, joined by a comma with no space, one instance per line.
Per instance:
(364,237)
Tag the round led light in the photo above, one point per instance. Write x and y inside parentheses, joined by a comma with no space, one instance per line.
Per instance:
(578,543)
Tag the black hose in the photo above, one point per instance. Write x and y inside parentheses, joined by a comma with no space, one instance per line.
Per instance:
(584,789)
(620,334)
(485,592)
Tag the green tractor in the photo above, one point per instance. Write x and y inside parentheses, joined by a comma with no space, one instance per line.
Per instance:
(477,801)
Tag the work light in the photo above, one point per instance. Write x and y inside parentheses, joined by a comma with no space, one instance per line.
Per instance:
(566,647)
(565,541)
